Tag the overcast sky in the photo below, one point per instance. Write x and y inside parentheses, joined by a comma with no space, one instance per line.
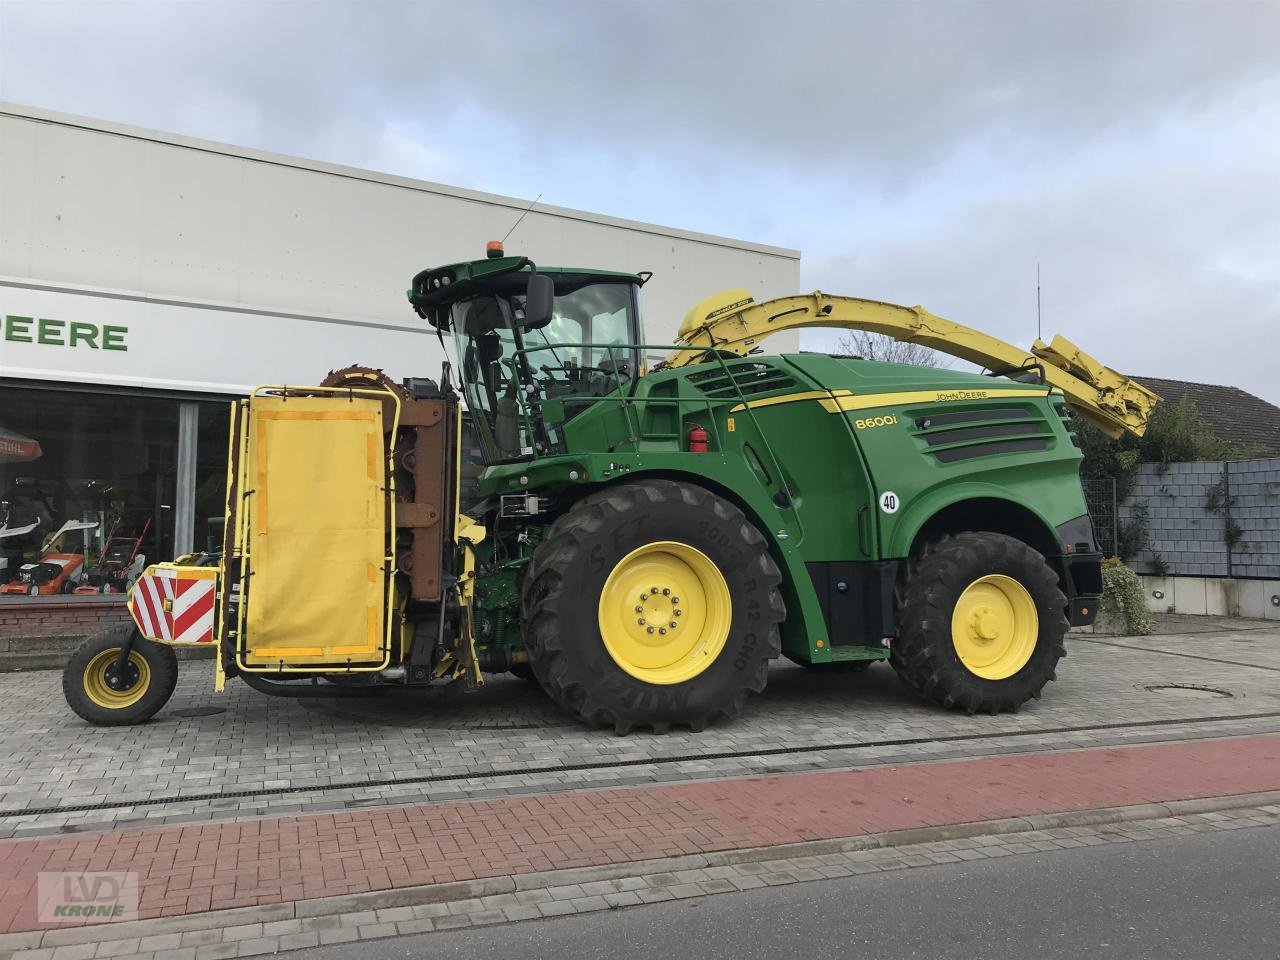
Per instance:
(917,152)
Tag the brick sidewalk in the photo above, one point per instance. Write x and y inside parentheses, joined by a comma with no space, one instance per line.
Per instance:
(217,866)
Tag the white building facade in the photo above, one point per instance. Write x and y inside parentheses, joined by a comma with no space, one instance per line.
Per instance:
(146,278)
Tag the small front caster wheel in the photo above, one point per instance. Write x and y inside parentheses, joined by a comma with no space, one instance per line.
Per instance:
(107,694)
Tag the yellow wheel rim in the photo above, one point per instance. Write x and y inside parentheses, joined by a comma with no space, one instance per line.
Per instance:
(994,627)
(128,689)
(665,612)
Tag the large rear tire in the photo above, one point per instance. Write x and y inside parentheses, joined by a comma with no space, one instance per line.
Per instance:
(652,604)
(97,692)
(981,620)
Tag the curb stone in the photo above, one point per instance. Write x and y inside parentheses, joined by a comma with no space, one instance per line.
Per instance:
(498,899)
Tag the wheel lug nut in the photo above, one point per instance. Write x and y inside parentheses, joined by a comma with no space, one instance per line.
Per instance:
(641,621)
(677,613)
(675,599)
(644,596)
(673,624)
(653,589)
(639,609)
(651,629)
(666,592)
(663,631)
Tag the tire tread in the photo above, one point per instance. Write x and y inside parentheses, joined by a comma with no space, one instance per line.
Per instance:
(544,592)
(923,655)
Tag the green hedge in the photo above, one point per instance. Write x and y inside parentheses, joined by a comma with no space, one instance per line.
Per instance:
(1124,605)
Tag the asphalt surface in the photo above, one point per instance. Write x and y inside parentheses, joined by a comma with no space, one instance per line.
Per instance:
(1202,897)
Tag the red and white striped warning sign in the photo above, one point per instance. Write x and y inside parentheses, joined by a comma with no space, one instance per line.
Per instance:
(176,608)
(147,601)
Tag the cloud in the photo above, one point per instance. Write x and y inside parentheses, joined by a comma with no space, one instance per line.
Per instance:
(1163,265)
(884,90)
(923,152)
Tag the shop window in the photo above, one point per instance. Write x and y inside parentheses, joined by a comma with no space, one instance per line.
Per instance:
(87,487)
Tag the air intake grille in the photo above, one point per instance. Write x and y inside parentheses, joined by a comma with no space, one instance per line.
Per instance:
(748,379)
(959,435)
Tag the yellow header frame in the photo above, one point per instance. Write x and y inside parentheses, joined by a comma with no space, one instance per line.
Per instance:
(241,540)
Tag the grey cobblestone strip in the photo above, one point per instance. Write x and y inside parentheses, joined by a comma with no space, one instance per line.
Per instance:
(255,931)
(790,757)
(177,812)
(489,739)
(1176,653)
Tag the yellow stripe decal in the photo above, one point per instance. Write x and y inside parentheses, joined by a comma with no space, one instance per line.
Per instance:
(790,398)
(843,401)
(846,404)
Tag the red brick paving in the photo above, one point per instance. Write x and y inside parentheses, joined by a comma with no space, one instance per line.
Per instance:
(222,865)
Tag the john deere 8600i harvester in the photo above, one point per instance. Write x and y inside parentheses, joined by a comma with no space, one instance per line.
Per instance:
(642,540)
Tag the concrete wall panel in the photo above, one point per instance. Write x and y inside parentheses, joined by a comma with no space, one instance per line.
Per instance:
(1187,538)
(95,204)
(86,207)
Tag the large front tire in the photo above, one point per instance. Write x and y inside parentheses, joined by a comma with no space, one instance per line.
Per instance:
(655,604)
(981,620)
(97,692)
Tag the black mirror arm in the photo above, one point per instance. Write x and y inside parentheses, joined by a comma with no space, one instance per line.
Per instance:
(528,388)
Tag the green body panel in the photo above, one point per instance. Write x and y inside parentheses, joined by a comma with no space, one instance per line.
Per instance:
(809,477)
(1045,482)
(498,603)
(841,463)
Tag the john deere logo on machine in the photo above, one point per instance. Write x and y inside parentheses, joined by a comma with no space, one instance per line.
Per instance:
(889,502)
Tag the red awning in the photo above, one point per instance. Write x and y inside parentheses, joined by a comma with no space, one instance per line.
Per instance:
(14,447)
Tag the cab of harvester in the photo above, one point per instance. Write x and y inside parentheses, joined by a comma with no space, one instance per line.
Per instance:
(642,539)
(525,336)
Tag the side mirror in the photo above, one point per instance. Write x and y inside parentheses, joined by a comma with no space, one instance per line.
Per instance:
(538,299)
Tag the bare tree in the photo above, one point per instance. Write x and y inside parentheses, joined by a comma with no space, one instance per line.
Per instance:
(877,346)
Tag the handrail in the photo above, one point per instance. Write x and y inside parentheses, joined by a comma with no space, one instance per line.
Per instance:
(626,399)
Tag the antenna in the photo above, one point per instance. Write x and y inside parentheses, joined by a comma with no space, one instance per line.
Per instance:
(1038,334)
(521,217)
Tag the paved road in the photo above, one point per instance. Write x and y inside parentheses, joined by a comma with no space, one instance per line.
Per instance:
(1203,897)
(241,754)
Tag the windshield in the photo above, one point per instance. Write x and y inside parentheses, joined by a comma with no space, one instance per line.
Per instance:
(570,356)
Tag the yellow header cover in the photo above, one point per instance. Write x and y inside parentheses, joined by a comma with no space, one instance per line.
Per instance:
(316,532)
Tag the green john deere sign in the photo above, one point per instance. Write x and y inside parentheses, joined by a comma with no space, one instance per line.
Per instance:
(63,333)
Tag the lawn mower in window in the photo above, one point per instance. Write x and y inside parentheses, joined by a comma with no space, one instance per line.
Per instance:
(56,571)
(122,559)
(11,555)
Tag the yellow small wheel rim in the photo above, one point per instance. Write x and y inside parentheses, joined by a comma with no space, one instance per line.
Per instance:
(665,612)
(100,691)
(994,627)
